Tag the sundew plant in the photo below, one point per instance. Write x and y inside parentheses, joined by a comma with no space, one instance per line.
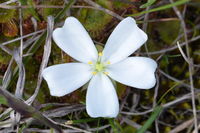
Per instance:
(102,66)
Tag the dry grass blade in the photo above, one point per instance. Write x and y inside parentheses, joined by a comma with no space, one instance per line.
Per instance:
(174,79)
(7,75)
(133,124)
(7,50)
(21,78)
(75,128)
(167,105)
(28,42)
(182,53)
(173,47)
(99,128)
(31,130)
(62,111)
(21,31)
(26,110)
(45,58)
(182,126)
(8,2)
(19,38)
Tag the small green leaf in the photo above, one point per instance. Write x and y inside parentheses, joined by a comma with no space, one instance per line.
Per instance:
(149,3)
(115,126)
(151,119)
(162,97)
(180,2)
(20,130)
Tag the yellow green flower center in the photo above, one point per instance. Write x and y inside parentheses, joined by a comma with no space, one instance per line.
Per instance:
(99,66)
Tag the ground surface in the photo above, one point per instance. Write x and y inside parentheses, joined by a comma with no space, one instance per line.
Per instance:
(171,106)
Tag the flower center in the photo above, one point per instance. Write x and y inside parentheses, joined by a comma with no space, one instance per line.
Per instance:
(99,66)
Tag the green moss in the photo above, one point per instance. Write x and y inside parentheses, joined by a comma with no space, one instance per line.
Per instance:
(119,4)
(168,31)
(6,15)
(50,11)
(4,58)
(95,21)
(28,12)
(129,129)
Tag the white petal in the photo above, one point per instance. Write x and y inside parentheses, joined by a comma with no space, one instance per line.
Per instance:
(75,41)
(101,99)
(126,38)
(134,71)
(65,78)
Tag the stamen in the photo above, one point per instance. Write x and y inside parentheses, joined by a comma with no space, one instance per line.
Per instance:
(94,73)
(100,53)
(106,73)
(108,62)
(90,62)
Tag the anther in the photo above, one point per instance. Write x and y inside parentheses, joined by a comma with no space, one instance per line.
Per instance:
(100,54)
(90,62)
(106,73)
(108,62)
(94,73)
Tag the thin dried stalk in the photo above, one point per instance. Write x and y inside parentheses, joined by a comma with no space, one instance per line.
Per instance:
(21,79)
(7,75)
(25,36)
(26,110)
(173,47)
(45,58)
(167,105)
(190,65)
(182,126)
(8,2)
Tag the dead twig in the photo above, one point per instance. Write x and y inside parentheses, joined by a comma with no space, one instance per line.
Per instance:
(182,53)
(21,80)
(19,38)
(182,126)
(8,2)
(173,47)
(167,105)
(190,65)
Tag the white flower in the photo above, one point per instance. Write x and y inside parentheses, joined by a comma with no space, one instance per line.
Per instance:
(98,68)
